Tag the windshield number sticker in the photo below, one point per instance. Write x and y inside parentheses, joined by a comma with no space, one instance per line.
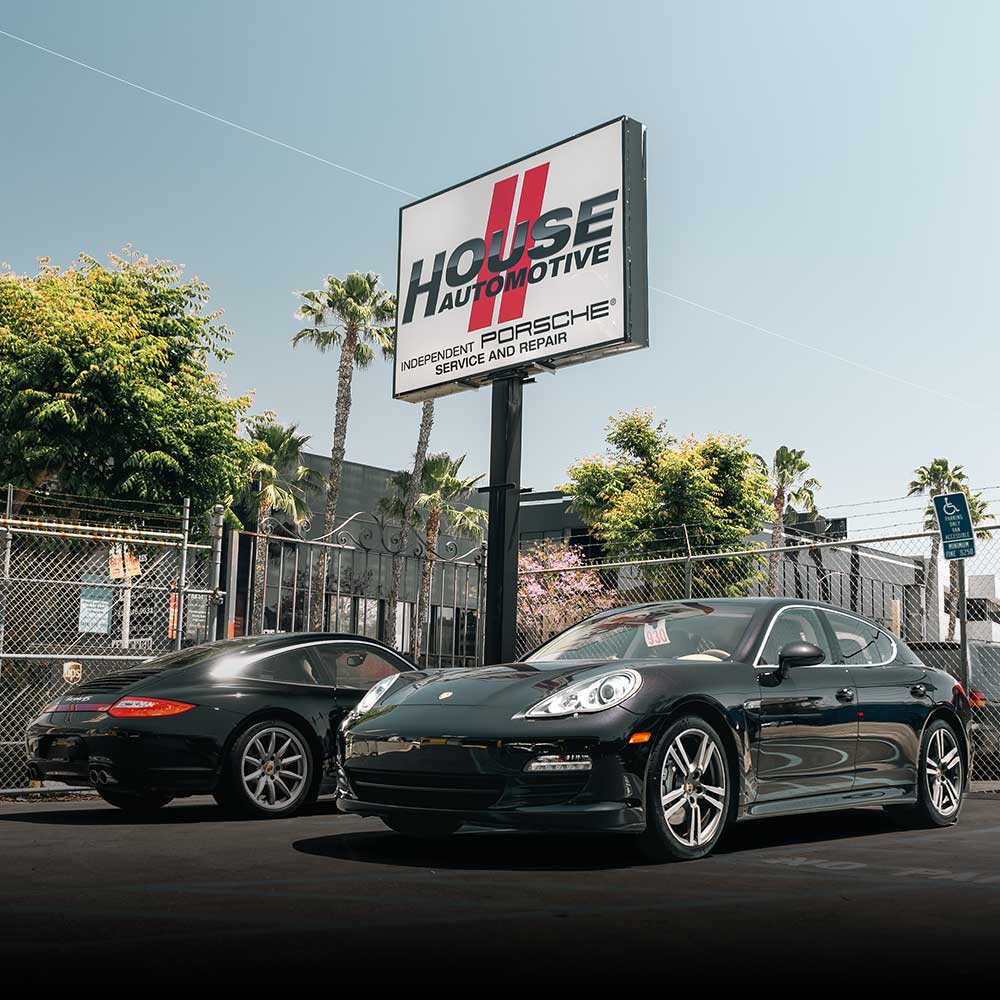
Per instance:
(656,635)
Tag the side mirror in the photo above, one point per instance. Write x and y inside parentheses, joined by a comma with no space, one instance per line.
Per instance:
(798,654)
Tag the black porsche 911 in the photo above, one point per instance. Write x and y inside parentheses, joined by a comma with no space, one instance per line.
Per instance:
(668,721)
(252,721)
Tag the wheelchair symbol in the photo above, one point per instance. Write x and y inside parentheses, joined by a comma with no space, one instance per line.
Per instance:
(949,508)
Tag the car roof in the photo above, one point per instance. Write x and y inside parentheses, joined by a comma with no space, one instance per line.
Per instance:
(746,602)
(283,640)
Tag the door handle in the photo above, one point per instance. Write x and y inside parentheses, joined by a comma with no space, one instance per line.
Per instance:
(845,694)
(919,690)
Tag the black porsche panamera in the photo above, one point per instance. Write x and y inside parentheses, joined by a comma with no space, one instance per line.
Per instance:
(252,721)
(668,721)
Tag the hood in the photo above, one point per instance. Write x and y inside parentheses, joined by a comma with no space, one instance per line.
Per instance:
(513,686)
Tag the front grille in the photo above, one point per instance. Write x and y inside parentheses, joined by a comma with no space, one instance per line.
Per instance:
(546,790)
(426,789)
(114,682)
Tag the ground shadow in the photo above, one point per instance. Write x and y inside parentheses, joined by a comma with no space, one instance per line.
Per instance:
(476,849)
(180,812)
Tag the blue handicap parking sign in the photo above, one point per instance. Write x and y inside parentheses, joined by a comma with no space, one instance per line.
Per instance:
(955,524)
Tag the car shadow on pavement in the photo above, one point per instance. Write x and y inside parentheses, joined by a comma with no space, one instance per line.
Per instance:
(479,849)
(178,812)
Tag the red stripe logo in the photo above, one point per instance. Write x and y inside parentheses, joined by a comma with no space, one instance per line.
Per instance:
(529,207)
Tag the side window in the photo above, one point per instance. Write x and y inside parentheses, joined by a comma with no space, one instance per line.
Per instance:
(292,666)
(354,666)
(860,643)
(795,625)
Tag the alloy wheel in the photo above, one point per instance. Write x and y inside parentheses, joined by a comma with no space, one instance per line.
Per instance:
(944,772)
(693,787)
(273,769)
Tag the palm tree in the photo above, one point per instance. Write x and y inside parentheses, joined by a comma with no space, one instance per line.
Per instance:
(277,481)
(978,513)
(441,507)
(933,479)
(357,316)
(791,486)
(401,505)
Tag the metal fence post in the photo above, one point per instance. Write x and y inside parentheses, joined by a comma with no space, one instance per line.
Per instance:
(215,575)
(182,572)
(963,628)
(5,586)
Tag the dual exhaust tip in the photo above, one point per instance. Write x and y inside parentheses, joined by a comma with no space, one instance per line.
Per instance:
(98,776)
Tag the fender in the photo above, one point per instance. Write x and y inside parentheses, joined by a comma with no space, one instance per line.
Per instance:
(734,728)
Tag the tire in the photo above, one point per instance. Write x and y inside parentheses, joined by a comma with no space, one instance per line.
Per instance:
(134,803)
(422,827)
(689,792)
(270,772)
(939,790)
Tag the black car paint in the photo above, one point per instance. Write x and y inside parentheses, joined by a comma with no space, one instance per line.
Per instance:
(185,754)
(794,745)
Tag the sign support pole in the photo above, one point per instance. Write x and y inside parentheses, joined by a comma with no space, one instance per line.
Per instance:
(504,516)
(963,628)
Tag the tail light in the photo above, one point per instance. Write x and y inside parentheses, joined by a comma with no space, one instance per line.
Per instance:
(977,699)
(133,707)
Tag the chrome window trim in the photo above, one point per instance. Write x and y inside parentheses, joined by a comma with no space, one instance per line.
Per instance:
(878,628)
(829,611)
(767,635)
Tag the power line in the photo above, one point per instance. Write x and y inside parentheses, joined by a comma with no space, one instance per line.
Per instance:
(207,114)
(810,347)
(392,187)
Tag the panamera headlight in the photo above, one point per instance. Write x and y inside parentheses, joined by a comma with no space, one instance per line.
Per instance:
(591,695)
(374,693)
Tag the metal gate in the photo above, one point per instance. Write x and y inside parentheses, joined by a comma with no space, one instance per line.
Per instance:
(290,584)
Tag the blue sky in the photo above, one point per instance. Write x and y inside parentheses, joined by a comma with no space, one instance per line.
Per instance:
(824,171)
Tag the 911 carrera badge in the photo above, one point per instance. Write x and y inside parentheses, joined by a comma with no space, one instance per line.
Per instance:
(445,694)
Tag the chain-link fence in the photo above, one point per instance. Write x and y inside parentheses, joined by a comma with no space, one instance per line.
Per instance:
(898,580)
(79,600)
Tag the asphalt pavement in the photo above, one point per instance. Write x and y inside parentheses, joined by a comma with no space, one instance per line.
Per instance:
(193,897)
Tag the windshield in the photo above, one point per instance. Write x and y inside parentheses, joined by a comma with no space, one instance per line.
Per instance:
(678,631)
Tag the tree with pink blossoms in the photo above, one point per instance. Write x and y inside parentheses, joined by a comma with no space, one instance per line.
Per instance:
(556,588)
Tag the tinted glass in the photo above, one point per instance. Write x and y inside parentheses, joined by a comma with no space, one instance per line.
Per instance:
(353,666)
(860,643)
(290,667)
(684,631)
(795,625)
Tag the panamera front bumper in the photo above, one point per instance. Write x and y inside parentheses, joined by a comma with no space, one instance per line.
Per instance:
(484,781)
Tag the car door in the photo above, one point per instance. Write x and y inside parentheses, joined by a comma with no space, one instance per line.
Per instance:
(808,718)
(895,696)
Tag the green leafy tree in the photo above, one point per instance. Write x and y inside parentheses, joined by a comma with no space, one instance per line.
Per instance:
(276,483)
(441,505)
(939,476)
(401,505)
(792,488)
(651,495)
(357,317)
(105,386)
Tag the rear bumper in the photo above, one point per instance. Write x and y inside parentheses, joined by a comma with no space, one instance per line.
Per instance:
(127,757)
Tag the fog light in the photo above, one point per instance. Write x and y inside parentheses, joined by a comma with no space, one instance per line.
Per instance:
(560,762)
